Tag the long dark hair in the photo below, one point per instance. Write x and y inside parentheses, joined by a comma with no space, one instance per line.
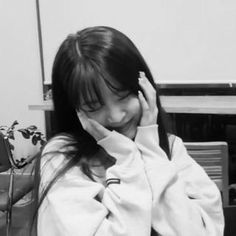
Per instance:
(85,58)
(82,61)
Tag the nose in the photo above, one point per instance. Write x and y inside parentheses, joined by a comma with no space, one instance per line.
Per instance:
(115,115)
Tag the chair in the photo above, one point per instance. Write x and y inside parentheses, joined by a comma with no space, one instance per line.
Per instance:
(14,193)
(230,216)
(213,157)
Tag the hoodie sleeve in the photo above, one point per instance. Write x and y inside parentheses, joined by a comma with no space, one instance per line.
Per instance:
(70,207)
(185,200)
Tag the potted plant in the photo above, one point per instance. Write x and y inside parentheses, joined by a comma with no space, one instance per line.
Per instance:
(30,133)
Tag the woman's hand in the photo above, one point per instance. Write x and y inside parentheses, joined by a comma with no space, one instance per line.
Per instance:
(148,101)
(92,127)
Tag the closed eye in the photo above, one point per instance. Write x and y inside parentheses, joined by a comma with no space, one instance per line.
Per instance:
(124,95)
(91,106)
(90,110)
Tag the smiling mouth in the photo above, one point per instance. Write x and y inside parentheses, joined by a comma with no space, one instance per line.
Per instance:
(121,129)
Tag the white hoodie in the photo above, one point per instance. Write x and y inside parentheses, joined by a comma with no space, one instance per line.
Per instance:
(144,190)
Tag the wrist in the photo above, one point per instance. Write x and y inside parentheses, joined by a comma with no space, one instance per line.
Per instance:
(118,146)
(148,133)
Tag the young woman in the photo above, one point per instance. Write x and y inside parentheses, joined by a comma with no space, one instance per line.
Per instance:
(112,169)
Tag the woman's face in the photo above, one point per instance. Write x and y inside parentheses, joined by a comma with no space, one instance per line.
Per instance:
(121,111)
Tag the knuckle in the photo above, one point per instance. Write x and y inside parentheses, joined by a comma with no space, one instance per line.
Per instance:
(153,91)
(155,110)
(153,100)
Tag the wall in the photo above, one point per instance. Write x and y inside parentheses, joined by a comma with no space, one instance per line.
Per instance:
(21,80)
(184,41)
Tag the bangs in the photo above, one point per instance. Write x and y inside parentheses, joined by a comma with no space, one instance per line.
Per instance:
(86,85)
(114,86)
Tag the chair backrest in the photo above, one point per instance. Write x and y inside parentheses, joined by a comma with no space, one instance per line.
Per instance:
(5,153)
(230,216)
(213,157)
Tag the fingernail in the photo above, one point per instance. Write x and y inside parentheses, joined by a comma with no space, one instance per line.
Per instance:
(141,74)
(140,93)
(140,80)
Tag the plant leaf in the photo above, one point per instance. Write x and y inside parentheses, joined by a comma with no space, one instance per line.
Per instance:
(11,146)
(38,133)
(34,139)
(25,133)
(11,135)
(42,142)
(15,123)
(32,127)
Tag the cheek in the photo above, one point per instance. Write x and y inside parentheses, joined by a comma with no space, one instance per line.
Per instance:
(98,116)
(134,108)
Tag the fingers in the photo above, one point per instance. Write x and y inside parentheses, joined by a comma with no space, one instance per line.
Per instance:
(147,99)
(92,127)
(98,130)
(143,101)
(148,90)
(83,119)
